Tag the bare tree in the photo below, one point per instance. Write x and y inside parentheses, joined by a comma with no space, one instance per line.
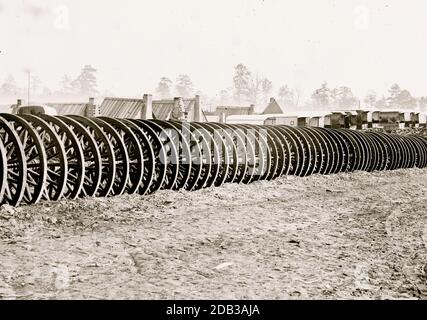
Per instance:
(266,88)
(344,98)
(255,89)
(399,98)
(242,82)
(322,97)
(286,96)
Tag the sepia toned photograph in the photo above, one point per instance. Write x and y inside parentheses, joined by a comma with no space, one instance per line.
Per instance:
(239,150)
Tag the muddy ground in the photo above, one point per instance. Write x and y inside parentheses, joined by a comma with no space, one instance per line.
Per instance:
(358,235)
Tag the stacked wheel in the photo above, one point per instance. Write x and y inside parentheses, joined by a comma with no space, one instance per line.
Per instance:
(53,157)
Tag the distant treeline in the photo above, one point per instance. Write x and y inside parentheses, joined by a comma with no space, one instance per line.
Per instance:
(247,88)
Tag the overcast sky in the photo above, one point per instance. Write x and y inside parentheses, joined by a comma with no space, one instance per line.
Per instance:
(133,43)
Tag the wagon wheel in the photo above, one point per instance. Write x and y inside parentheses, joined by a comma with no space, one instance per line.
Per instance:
(91,164)
(382,151)
(353,149)
(161,166)
(306,150)
(400,152)
(106,155)
(374,153)
(121,178)
(215,153)
(243,150)
(424,140)
(295,158)
(347,149)
(318,154)
(413,152)
(423,144)
(232,150)
(171,159)
(367,152)
(257,158)
(134,152)
(148,157)
(412,158)
(324,150)
(394,151)
(406,151)
(202,156)
(253,155)
(311,151)
(242,159)
(374,160)
(273,150)
(222,158)
(376,156)
(74,156)
(341,149)
(286,149)
(261,138)
(417,151)
(391,151)
(250,166)
(303,153)
(16,175)
(34,155)
(281,146)
(57,166)
(203,141)
(3,171)
(421,151)
(169,152)
(360,154)
(187,176)
(337,149)
(198,172)
(344,151)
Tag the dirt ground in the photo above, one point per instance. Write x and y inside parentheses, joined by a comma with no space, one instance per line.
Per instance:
(345,236)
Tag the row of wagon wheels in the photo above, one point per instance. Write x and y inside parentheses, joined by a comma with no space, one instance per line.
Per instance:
(54,157)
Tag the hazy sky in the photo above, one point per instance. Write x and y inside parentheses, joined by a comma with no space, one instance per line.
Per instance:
(133,43)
